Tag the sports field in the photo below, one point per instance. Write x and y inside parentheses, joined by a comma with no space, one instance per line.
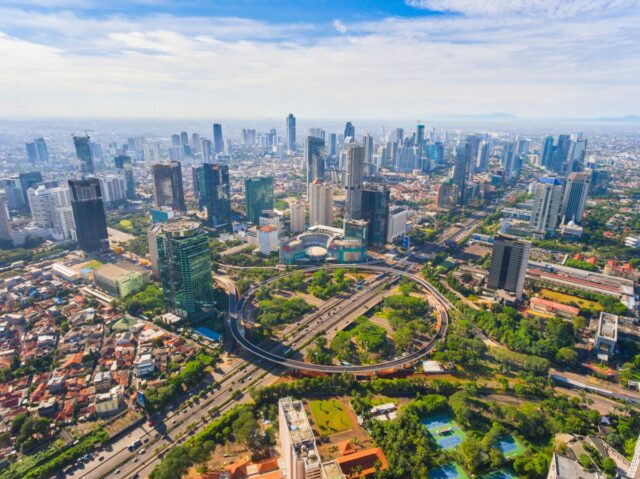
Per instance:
(444,430)
(330,416)
(452,470)
(510,447)
(501,474)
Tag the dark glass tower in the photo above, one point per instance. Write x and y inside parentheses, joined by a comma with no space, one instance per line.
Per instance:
(167,185)
(218,143)
(291,132)
(184,266)
(88,213)
(315,158)
(216,194)
(258,197)
(375,210)
(83,152)
(509,260)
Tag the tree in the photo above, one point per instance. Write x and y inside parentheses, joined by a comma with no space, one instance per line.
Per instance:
(470,454)
(609,466)
(459,404)
(567,356)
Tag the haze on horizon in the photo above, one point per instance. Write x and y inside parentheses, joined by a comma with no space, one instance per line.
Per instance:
(359,59)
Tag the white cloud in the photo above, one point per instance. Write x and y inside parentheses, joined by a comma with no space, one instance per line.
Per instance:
(60,63)
(341,27)
(543,8)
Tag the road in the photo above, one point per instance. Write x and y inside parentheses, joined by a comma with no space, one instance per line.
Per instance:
(355,303)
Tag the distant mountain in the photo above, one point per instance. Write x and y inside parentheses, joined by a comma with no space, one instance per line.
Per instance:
(625,119)
(482,117)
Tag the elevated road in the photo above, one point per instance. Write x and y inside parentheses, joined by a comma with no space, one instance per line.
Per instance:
(438,300)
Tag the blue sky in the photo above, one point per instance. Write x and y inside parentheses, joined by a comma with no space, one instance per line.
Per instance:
(320,59)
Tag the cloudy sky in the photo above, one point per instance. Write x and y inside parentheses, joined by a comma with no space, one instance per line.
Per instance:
(319,58)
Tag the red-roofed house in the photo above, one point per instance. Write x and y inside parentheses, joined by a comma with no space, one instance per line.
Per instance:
(560,310)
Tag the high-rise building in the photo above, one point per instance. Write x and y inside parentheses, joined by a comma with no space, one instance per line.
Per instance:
(291,133)
(175,140)
(85,157)
(561,153)
(575,197)
(483,156)
(509,260)
(314,153)
(184,267)
(28,180)
(548,149)
(300,456)
(218,142)
(397,224)
(37,151)
(320,204)
(195,142)
(547,201)
(368,154)
(167,185)
(297,216)
(114,189)
(6,232)
(32,153)
(461,169)
(420,140)
(354,176)
(88,213)
(258,197)
(333,144)
(578,154)
(475,142)
(125,165)
(151,152)
(216,191)
(375,210)
(43,203)
(317,133)
(447,194)
(349,130)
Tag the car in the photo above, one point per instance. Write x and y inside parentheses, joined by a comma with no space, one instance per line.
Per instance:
(135,459)
(101,458)
(142,451)
(145,440)
(117,471)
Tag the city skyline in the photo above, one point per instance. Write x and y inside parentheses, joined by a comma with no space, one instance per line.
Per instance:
(150,59)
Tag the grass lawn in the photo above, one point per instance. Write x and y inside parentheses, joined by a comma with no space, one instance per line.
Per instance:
(568,298)
(330,416)
(93,264)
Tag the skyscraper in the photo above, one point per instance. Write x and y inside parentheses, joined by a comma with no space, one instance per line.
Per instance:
(83,152)
(88,213)
(547,152)
(167,185)
(578,153)
(461,169)
(547,201)
(297,216)
(560,157)
(291,133)
(375,210)
(349,130)
(32,153)
(419,135)
(368,153)
(258,197)
(483,157)
(6,232)
(317,132)
(28,180)
(218,142)
(354,177)
(184,267)
(509,260)
(124,164)
(575,197)
(333,144)
(474,150)
(314,154)
(41,150)
(320,204)
(217,194)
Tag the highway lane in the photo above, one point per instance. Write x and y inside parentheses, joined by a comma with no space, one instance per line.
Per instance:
(442,304)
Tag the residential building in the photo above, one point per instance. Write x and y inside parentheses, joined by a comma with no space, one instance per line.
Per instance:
(167,185)
(297,216)
(268,239)
(547,201)
(88,213)
(184,266)
(320,204)
(258,197)
(114,189)
(509,260)
(28,180)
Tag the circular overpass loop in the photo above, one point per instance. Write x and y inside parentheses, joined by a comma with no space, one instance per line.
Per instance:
(439,301)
